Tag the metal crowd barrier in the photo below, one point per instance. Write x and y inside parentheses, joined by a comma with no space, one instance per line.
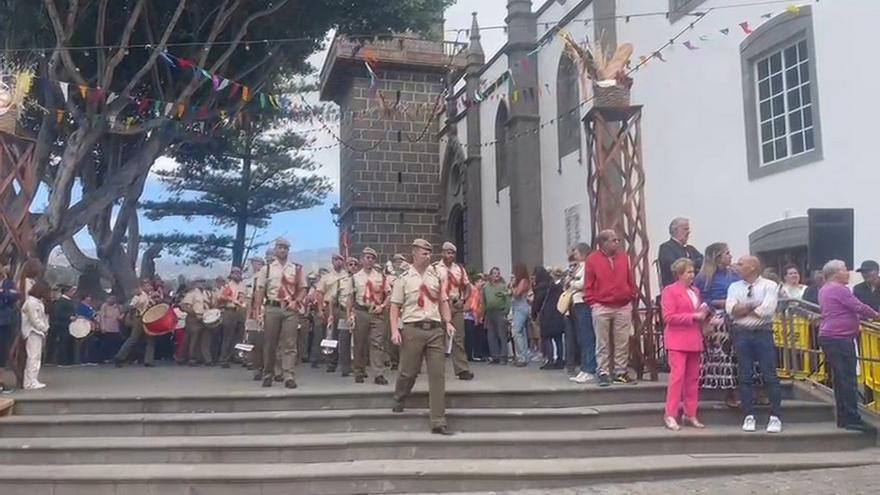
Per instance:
(796,334)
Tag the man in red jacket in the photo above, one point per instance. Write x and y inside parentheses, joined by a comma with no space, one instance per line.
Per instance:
(610,292)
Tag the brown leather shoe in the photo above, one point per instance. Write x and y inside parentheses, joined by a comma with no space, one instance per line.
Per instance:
(441,430)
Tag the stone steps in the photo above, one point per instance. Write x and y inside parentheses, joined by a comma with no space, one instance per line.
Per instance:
(399,476)
(339,447)
(367,420)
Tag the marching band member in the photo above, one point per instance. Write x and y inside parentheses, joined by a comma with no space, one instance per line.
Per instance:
(194,304)
(255,312)
(232,300)
(458,288)
(331,313)
(366,314)
(139,303)
(281,288)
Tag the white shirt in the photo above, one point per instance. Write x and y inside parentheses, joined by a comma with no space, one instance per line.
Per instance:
(764,293)
(577,283)
(33,317)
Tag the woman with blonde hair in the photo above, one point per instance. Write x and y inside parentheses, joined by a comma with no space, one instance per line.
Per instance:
(718,371)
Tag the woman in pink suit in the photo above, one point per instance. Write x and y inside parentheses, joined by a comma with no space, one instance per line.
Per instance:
(684,314)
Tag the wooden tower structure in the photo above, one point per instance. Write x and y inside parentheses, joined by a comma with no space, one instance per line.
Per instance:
(18,185)
(616,190)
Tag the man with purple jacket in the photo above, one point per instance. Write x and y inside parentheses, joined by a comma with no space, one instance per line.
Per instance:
(841,311)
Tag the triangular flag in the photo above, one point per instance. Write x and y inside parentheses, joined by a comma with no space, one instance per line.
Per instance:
(725,31)
(262,100)
(690,46)
(84,91)
(515,96)
(205,73)
(142,105)
(111,98)
(767,16)
(223,83)
(216,82)
(59,116)
(704,38)
(185,64)
(168,108)
(793,9)
(643,60)
(659,56)
(234,92)
(157,107)
(65,89)
(245,93)
(166,58)
(745,27)
(181,110)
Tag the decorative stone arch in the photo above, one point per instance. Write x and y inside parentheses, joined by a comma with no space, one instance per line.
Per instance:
(502,171)
(453,178)
(781,242)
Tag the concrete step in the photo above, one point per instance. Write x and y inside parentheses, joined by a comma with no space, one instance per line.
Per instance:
(338,447)
(400,476)
(372,397)
(365,420)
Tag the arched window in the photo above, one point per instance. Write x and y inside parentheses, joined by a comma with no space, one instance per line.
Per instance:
(567,98)
(502,178)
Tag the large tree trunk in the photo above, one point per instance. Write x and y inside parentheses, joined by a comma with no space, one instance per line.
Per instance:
(241,224)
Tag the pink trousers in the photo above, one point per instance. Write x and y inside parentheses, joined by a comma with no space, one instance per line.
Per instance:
(684,383)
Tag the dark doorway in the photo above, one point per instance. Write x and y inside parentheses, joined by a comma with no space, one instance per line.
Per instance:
(457,231)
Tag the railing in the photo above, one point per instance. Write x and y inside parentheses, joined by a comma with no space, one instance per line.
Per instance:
(796,334)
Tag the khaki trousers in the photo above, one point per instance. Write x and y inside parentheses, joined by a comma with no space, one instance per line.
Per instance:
(392,348)
(612,325)
(198,341)
(459,355)
(342,354)
(302,339)
(279,342)
(233,332)
(137,333)
(369,343)
(424,342)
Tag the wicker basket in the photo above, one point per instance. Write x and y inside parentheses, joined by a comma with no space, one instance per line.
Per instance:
(613,96)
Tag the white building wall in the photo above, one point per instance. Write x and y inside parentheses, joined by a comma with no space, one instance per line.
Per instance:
(566,188)
(694,133)
(496,213)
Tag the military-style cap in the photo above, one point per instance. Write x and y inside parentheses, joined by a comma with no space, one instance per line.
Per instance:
(257,259)
(398,257)
(369,250)
(352,259)
(448,246)
(312,276)
(337,256)
(423,244)
(282,242)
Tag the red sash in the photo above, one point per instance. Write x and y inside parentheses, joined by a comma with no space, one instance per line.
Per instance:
(452,284)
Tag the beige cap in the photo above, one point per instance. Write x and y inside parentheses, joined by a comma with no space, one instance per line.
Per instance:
(423,244)
(398,257)
(257,259)
(352,259)
(448,246)
(337,256)
(282,242)
(371,251)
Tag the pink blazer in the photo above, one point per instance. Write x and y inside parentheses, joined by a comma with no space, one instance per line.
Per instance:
(682,333)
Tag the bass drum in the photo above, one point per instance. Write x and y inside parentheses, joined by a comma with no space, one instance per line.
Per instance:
(80,328)
(159,320)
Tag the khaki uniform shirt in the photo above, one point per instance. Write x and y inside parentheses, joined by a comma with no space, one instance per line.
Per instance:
(281,282)
(197,300)
(369,289)
(457,281)
(419,296)
(233,292)
(330,284)
(141,302)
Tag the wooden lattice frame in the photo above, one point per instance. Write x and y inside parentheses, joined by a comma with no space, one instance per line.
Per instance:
(16,169)
(616,191)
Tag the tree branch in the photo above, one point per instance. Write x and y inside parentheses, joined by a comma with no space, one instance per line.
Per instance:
(155,54)
(99,34)
(62,37)
(123,44)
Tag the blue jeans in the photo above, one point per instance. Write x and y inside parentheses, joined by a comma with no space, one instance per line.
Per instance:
(586,336)
(519,331)
(756,345)
(840,354)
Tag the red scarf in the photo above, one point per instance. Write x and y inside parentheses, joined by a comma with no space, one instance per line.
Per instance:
(452,284)
(371,294)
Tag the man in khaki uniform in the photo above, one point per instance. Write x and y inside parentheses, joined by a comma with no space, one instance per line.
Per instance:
(281,287)
(458,289)
(308,325)
(232,299)
(139,303)
(194,304)
(366,314)
(255,312)
(332,313)
(397,268)
(420,301)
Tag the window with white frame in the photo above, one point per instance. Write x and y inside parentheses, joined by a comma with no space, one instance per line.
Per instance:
(785,103)
(781,104)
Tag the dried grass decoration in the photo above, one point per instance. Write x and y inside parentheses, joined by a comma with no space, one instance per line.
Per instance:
(15,84)
(611,84)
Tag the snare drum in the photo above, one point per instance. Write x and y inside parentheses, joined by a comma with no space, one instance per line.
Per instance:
(212,318)
(80,328)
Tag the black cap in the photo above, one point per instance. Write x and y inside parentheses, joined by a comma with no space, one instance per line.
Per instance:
(869,266)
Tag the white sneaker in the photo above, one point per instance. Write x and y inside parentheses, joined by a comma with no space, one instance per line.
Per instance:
(36,386)
(774,425)
(749,423)
(577,378)
(585,377)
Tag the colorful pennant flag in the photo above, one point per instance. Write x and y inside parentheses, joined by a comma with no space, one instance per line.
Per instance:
(745,27)
(690,46)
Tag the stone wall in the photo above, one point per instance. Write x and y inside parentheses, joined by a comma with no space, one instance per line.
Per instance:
(390,183)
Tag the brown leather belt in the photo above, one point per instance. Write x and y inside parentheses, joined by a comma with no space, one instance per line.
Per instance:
(273,304)
(425,325)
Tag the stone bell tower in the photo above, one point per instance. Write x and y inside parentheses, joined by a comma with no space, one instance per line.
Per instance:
(389,157)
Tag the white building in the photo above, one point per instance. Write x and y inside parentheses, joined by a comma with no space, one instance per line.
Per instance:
(743,133)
